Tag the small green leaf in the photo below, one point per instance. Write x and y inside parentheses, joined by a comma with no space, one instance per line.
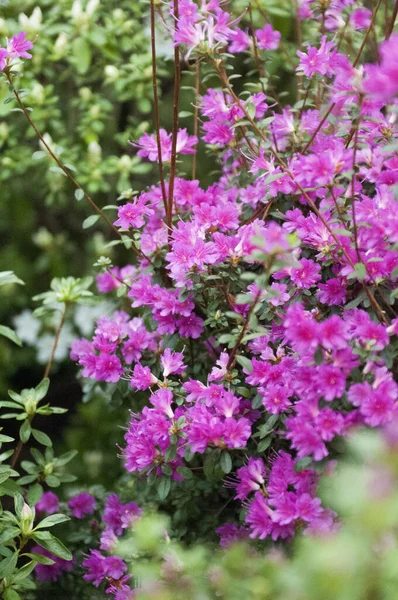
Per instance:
(11,594)
(42,389)
(38,155)
(65,458)
(53,481)
(79,194)
(170,453)
(302,463)
(52,544)
(10,334)
(245,363)
(41,437)
(226,462)
(318,356)
(25,431)
(164,488)
(51,521)
(8,565)
(18,504)
(34,494)
(81,52)
(359,272)
(24,571)
(264,444)
(39,558)
(90,221)
(8,277)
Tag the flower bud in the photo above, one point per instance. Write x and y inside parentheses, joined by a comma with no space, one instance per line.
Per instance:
(26,519)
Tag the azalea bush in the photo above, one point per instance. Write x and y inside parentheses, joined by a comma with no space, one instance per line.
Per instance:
(249,329)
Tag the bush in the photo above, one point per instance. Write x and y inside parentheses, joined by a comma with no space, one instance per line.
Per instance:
(245,318)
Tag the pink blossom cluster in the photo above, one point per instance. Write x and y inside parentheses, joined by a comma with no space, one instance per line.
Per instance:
(262,324)
(106,565)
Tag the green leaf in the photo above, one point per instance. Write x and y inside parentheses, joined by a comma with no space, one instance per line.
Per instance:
(34,494)
(79,194)
(170,453)
(11,594)
(52,544)
(42,389)
(164,488)
(264,444)
(90,221)
(302,463)
(9,534)
(8,277)
(245,363)
(8,565)
(41,437)
(25,431)
(81,52)
(24,571)
(185,472)
(65,458)
(10,334)
(18,504)
(39,155)
(318,356)
(39,558)
(226,462)
(52,520)
(53,481)
(359,272)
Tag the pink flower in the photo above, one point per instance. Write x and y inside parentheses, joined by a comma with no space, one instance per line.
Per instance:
(108,368)
(117,516)
(316,61)
(259,517)
(142,378)
(17,47)
(360,18)
(268,38)
(240,41)
(250,478)
(331,382)
(307,275)
(162,401)
(333,292)
(54,571)
(308,508)
(148,144)
(81,505)
(276,399)
(172,362)
(131,214)
(48,503)
(231,533)
(3,58)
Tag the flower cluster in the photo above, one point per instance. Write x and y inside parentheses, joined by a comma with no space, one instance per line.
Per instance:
(262,324)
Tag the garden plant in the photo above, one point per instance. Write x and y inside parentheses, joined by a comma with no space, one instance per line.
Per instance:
(216,304)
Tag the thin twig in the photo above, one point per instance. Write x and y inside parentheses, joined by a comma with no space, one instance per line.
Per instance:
(156,105)
(369,29)
(176,99)
(65,170)
(235,349)
(391,24)
(20,444)
(196,114)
